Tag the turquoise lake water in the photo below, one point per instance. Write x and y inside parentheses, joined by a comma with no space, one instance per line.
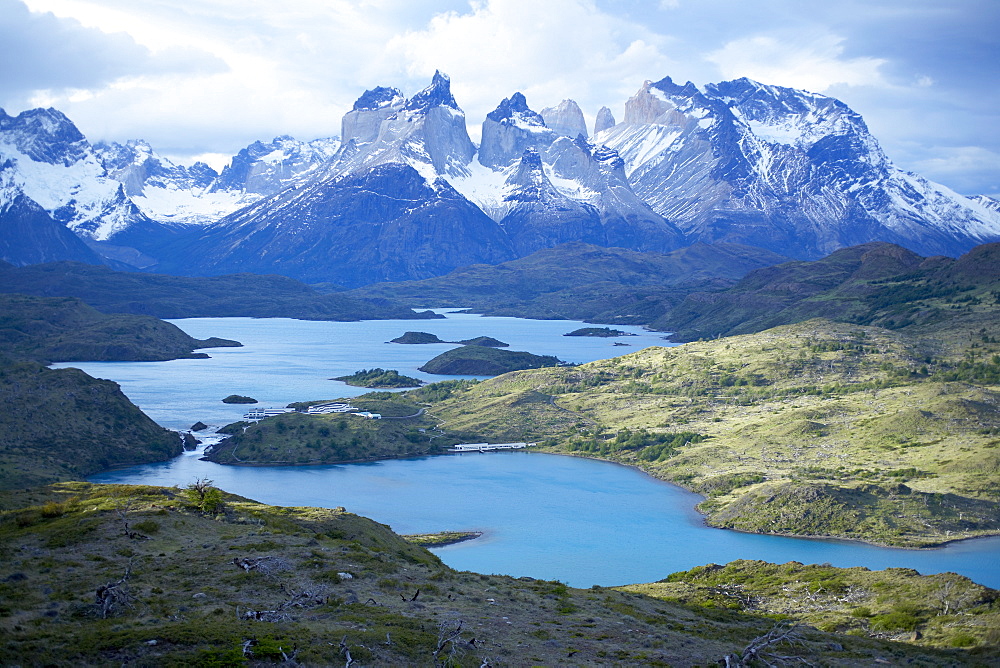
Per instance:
(581,521)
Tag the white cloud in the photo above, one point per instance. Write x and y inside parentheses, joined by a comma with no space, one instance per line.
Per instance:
(549,51)
(814,64)
(213,75)
(963,168)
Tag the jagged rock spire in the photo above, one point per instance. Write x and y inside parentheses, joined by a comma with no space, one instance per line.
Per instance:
(605,120)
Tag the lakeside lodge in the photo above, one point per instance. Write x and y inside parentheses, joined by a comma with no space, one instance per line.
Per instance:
(256,414)
(487,447)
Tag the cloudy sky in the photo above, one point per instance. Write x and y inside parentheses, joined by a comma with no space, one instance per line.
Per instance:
(207,77)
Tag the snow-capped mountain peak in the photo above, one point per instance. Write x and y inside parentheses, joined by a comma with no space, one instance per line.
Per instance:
(56,167)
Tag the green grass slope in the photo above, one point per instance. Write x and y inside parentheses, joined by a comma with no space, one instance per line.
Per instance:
(113,575)
(819,428)
(945,610)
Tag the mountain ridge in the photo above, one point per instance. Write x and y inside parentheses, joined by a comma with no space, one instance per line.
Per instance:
(737,161)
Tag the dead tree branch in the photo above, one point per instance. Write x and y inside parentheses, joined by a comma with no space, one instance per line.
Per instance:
(760,648)
(114,597)
(446,637)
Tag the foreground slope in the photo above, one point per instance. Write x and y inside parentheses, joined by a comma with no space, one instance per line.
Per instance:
(98,574)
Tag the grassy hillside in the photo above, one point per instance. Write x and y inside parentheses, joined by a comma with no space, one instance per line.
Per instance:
(579,281)
(108,574)
(64,425)
(944,610)
(819,428)
(162,296)
(64,329)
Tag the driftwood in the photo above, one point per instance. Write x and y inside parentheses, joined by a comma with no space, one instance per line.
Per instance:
(345,650)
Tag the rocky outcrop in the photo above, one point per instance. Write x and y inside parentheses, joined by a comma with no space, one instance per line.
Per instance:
(605,120)
(566,119)
(510,130)
(361,124)
(426,132)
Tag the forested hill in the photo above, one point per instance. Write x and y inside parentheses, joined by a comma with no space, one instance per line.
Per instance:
(163,296)
(64,329)
(878,283)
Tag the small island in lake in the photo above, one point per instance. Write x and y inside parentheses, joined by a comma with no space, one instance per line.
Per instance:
(417,338)
(441,538)
(379,378)
(485,361)
(238,399)
(425,337)
(487,341)
(605,332)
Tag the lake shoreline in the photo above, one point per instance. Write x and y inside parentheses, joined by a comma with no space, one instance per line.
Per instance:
(818,537)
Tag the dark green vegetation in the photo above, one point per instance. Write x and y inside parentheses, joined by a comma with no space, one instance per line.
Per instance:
(299,438)
(62,424)
(485,361)
(873,284)
(417,338)
(139,575)
(577,281)
(379,378)
(944,610)
(162,296)
(603,332)
(64,329)
(238,399)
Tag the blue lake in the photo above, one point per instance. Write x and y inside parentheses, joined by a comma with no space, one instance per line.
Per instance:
(581,521)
